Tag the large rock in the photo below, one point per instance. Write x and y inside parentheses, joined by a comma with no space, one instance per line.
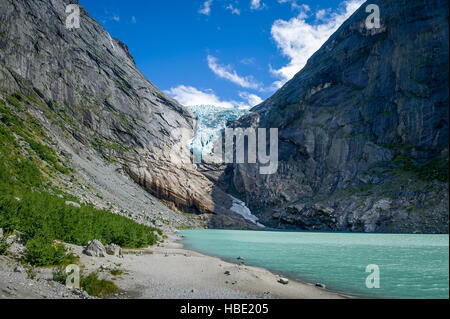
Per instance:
(365,98)
(113,249)
(73,204)
(1,233)
(95,248)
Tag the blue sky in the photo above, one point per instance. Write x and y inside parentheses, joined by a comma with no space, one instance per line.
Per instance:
(231,53)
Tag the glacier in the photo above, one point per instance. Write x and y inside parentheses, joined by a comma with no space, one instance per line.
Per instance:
(211,121)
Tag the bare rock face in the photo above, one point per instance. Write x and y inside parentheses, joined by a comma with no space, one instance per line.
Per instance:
(95,248)
(84,84)
(363,124)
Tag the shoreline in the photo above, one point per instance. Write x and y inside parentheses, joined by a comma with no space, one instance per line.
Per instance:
(298,281)
(172,271)
(165,271)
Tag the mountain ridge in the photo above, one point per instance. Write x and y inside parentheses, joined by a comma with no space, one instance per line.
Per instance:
(369,110)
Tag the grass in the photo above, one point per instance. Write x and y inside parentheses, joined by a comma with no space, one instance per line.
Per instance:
(435,169)
(116,272)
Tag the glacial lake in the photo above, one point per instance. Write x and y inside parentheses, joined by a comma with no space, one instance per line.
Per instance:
(410,265)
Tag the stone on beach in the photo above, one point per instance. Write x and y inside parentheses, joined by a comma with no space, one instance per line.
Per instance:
(319,285)
(283,281)
(113,249)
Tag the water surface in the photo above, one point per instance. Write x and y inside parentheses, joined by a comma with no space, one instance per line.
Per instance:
(411,266)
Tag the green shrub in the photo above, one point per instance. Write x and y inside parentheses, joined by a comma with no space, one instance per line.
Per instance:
(98,287)
(40,212)
(60,275)
(436,169)
(3,246)
(42,252)
(31,274)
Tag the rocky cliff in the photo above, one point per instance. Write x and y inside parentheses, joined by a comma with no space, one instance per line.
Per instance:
(363,129)
(85,89)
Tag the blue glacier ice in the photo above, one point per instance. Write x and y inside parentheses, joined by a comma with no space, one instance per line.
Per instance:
(211,120)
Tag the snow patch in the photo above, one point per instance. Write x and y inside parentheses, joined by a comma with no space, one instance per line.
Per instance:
(240,208)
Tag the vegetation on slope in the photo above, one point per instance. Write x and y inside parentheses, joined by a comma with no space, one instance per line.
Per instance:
(29,206)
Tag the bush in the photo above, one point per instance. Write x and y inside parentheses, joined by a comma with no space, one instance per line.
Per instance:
(435,169)
(43,213)
(3,246)
(98,287)
(59,275)
(42,252)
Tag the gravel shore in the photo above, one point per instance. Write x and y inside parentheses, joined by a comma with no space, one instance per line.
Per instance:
(165,271)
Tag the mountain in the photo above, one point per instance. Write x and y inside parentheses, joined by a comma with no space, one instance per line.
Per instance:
(96,108)
(363,130)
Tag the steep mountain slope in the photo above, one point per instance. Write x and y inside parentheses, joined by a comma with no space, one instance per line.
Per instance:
(363,129)
(85,89)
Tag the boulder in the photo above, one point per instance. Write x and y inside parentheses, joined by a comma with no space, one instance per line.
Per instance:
(159,238)
(16,248)
(1,233)
(19,269)
(73,204)
(113,249)
(283,281)
(95,248)
(319,285)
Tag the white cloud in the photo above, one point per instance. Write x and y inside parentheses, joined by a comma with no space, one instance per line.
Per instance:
(206,8)
(233,9)
(257,5)
(133,19)
(299,40)
(248,61)
(116,18)
(226,72)
(295,5)
(251,99)
(188,96)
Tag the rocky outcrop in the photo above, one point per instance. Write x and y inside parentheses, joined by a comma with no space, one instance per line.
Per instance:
(84,86)
(363,129)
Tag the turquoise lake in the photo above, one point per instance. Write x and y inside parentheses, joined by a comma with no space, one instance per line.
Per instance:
(410,266)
